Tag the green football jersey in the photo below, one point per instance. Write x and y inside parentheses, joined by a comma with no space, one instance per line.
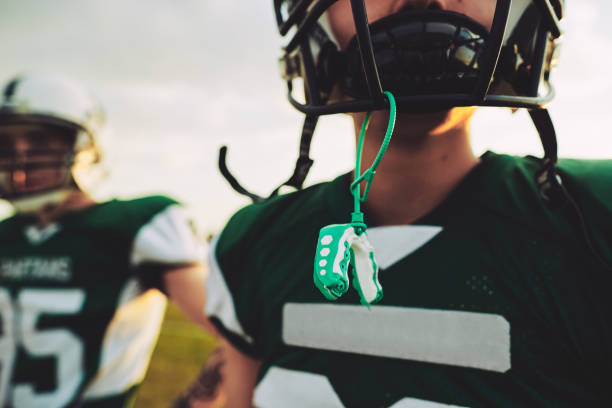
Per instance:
(78,321)
(493,299)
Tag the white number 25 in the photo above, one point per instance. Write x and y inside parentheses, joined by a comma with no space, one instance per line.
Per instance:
(19,320)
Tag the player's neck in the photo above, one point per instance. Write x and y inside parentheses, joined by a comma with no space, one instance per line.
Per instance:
(418,171)
(75,201)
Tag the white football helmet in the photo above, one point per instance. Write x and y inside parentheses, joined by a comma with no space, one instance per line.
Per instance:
(50,102)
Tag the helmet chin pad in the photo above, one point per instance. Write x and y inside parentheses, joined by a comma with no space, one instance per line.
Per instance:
(35,202)
(418,52)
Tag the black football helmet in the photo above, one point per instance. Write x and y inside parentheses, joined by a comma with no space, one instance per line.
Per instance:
(430,59)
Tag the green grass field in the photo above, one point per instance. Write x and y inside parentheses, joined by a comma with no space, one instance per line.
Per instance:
(181,351)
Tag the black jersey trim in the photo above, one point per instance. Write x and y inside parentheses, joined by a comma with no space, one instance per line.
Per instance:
(236,340)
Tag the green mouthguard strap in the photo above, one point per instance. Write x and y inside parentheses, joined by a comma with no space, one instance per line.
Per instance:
(368,175)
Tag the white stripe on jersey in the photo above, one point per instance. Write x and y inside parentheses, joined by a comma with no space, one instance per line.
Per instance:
(282,388)
(219,301)
(167,239)
(394,243)
(419,403)
(465,339)
(128,342)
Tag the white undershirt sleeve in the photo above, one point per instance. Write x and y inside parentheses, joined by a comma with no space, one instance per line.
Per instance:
(168,238)
(219,299)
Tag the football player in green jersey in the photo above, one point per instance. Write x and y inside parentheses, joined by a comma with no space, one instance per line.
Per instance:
(78,314)
(495,269)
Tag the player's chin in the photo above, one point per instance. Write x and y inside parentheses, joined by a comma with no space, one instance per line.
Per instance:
(433,119)
(418,127)
(438,115)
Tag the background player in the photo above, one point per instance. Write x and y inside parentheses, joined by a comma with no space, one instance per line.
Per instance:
(493,272)
(78,317)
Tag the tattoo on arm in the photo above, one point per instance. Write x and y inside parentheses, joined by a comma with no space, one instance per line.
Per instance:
(206,388)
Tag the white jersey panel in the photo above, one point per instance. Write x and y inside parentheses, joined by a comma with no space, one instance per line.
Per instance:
(419,403)
(281,388)
(396,242)
(219,300)
(129,341)
(168,238)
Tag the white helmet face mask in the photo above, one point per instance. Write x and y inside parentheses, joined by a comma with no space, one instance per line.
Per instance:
(45,106)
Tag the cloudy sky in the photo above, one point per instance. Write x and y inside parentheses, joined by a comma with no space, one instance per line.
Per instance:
(180,78)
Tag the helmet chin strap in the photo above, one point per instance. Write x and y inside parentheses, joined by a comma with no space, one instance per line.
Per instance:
(551,186)
(34,203)
(302,165)
(547,178)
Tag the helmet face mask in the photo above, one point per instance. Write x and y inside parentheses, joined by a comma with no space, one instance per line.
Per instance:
(34,159)
(419,53)
(48,128)
(430,59)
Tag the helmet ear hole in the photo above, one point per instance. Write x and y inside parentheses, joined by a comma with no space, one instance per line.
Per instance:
(64,138)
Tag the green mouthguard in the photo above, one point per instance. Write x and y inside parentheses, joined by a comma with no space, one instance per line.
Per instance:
(341,247)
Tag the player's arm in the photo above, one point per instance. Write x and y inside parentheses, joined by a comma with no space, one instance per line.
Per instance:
(185,286)
(230,375)
(227,380)
(239,374)
(167,254)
